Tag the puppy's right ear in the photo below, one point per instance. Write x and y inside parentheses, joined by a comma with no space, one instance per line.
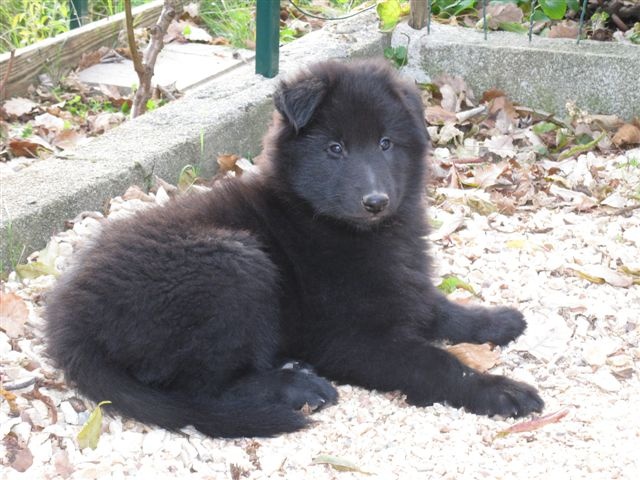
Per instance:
(297,100)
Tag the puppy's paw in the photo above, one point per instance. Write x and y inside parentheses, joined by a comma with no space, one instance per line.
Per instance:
(505,325)
(497,395)
(303,387)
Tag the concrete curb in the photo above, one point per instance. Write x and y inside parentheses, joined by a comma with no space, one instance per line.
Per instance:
(231,114)
(600,77)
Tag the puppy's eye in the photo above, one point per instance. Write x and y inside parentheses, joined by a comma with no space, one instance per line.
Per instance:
(385,143)
(335,148)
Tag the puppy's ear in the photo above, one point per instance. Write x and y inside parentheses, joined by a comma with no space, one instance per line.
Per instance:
(297,100)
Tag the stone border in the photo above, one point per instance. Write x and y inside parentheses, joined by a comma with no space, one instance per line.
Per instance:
(600,77)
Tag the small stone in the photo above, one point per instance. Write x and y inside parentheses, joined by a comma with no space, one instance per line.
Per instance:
(70,414)
(606,381)
(153,441)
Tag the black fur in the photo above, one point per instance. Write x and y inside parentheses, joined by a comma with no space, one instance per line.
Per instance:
(179,314)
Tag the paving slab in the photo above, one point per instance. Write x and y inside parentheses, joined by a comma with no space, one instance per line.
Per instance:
(184,65)
(600,77)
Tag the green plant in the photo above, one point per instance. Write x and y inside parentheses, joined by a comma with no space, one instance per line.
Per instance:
(27,131)
(15,250)
(23,22)
(231,19)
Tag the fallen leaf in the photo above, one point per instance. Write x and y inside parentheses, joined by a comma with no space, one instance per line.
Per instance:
(13,314)
(627,134)
(501,145)
(564,29)
(605,381)
(135,192)
(105,121)
(17,453)
(600,274)
(90,433)
(90,59)
(450,283)
(19,106)
(188,176)
(245,166)
(498,13)
(49,122)
(338,463)
(479,357)
(10,398)
(449,100)
(36,394)
(535,423)
(227,162)
(69,139)
(29,147)
(436,115)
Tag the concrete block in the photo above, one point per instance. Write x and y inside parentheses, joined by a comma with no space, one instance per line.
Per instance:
(600,77)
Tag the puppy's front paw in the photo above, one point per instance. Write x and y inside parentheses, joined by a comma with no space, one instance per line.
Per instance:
(505,325)
(497,395)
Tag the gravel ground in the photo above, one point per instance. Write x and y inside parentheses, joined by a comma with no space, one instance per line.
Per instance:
(581,350)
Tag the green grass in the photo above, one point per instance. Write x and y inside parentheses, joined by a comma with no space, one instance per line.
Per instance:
(230,19)
(24,22)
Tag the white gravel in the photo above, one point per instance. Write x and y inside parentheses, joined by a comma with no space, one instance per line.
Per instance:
(581,350)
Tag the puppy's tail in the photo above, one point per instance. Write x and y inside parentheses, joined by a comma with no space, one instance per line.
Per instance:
(227,417)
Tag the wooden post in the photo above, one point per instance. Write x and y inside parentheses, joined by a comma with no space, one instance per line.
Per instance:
(267,37)
(418,15)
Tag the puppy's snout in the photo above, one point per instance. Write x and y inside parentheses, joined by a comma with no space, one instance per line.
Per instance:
(375,202)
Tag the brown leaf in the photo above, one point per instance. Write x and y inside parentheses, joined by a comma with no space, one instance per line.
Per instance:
(19,106)
(63,466)
(90,59)
(564,29)
(17,453)
(29,147)
(13,314)
(535,423)
(105,121)
(135,192)
(69,139)
(436,115)
(36,394)
(627,134)
(227,162)
(490,94)
(10,398)
(480,357)
(49,122)
(498,13)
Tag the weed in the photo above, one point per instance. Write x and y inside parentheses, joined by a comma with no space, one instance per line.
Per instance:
(231,19)
(15,250)
(27,131)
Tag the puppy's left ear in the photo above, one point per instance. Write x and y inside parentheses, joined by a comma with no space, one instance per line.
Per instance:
(411,98)
(297,100)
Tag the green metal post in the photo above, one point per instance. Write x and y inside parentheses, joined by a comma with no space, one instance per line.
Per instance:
(79,10)
(267,37)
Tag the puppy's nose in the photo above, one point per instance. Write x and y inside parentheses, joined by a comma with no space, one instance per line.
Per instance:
(375,202)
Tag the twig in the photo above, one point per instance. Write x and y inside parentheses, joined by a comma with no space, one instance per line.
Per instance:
(5,79)
(624,210)
(145,67)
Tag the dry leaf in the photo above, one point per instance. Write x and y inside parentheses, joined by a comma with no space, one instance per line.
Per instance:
(627,134)
(69,139)
(17,453)
(338,463)
(135,192)
(535,423)
(436,115)
(601,274)
(105,121)
(498,13)
(13,314)
(501,145)
(10,398)
(564,29)
(19,106)
(227,162)
(49,122)
(480,357)
(29,147)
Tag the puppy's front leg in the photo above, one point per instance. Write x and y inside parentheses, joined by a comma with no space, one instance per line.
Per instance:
(426,374)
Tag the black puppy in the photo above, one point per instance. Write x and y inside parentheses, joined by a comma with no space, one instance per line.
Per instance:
(179,314)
